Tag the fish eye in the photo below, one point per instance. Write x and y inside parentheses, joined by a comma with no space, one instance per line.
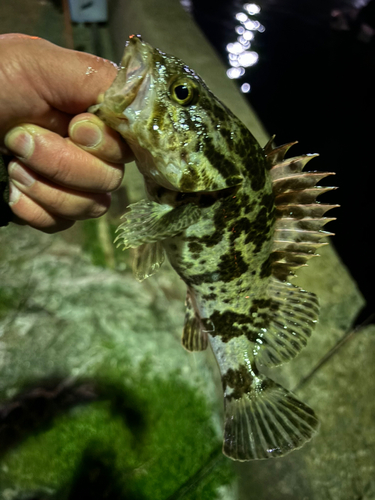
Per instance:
(183,91)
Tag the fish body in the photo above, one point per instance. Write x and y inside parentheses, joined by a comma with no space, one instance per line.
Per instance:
(235,220)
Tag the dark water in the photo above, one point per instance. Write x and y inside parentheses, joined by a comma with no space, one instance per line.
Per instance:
(315,83)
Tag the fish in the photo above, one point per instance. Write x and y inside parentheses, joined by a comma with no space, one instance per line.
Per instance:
(235,220)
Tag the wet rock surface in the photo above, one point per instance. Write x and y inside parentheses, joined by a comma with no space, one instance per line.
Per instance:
(338,463)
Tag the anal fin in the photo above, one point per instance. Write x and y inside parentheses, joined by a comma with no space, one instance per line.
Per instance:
(285,325)
(268,421)
(194,338)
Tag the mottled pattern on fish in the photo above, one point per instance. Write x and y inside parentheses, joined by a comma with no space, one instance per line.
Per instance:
(235,221)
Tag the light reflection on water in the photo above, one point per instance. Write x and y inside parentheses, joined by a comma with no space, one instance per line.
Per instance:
(235,72)
(252,8)
(239,55)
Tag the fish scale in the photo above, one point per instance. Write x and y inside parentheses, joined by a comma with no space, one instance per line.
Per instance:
(235,220)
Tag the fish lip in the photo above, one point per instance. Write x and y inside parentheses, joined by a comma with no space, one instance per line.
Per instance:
(136,63)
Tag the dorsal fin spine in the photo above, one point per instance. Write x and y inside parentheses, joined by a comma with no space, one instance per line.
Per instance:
(299,217)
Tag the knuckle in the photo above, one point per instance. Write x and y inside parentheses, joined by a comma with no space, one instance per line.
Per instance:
(59,170)
(42,220)
(57,200)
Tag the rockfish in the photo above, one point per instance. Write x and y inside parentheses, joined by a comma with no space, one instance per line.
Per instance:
(235,221)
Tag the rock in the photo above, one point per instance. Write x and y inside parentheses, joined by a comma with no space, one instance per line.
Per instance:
(97,393)
(339,462)
(340,302)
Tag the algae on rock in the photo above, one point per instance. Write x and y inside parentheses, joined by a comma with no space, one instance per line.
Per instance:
(94,378)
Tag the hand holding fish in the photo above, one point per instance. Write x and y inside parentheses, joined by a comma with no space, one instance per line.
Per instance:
(66,161)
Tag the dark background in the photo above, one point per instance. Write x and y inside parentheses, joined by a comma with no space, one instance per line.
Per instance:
(315,82)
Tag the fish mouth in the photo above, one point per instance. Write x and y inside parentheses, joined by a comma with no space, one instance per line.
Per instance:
(133,79)
(136,63)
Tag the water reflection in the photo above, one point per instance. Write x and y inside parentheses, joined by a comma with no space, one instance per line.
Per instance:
(248,58)
(238,54)
(235,72)
(235,48)
(252,8)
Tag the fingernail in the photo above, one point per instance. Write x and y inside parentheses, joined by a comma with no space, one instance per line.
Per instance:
(86,133)
(20,142)
(14,194)
(19,175)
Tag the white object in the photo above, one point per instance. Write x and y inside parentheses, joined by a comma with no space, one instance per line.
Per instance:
(88,11)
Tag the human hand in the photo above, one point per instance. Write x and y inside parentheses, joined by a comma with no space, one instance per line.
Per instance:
(66,161)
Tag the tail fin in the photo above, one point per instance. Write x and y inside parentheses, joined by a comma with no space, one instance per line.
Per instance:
(266,422)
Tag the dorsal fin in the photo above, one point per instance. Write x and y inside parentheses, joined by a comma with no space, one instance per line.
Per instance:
(275,155)
(298,230)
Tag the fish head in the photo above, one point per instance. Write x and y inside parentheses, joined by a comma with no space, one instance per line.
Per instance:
(182,136)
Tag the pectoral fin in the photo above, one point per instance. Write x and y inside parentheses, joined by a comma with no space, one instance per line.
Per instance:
(148,222)
(148,260)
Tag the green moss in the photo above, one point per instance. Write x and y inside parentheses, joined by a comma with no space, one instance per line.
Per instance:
(91,243)
(94,247)
(204,484)
(9,300)
(147,446)
(50,458)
